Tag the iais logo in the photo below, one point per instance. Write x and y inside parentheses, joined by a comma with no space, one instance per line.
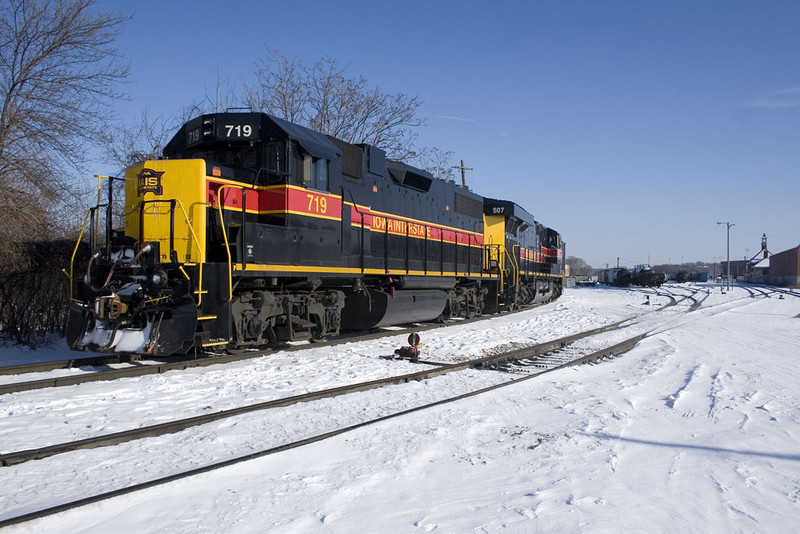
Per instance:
(150,182)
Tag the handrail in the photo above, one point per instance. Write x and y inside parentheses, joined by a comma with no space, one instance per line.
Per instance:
(225,238)
(75,253)
(501,249)
(489,248)
(109,206)
(99,189)
(200,251)
(361,216)
(173,202)
(191,230)
(514,263)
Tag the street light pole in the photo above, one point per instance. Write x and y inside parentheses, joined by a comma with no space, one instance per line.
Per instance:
(729,224)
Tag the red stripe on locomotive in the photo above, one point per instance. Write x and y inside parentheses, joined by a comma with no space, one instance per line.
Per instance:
(283,199)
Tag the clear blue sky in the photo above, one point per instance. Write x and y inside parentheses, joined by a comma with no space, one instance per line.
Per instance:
(631,127)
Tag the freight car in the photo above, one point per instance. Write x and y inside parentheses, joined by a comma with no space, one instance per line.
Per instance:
(641,275)
(619,276)
(253,230)
(645,276)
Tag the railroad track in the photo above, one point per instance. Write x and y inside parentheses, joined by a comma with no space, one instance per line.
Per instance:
(521,363)
(541,354)
(96,368)
(715,308)
(782,291)
(768,291)
(436,369)
(99,371)
(42,367)
(693,296)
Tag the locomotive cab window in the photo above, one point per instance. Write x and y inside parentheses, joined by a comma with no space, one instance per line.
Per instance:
(314,172)
(240,163)
(274,165)
(553,238)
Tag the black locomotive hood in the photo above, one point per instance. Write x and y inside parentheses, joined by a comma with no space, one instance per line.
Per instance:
(315,143)
(215,128)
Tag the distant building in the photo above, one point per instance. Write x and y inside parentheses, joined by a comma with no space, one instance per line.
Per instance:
(784,267)
(739,269)
(759,267)
(781,269)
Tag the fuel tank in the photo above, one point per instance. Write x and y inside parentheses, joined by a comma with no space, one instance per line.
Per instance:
(372,309)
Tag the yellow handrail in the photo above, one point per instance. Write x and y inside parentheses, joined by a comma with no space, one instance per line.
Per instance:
(501,249)
(225,237)
(196,242)
(490,248)
(75,252)
(100,185)
(200,251)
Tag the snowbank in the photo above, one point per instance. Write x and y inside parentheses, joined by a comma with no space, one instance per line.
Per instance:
(695,430)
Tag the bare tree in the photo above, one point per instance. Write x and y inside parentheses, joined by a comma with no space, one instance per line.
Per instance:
(142,140)
(323,98)
(437,162)
(222,98)
(58,76)
(579,267)
(133,143)
(279,88)
(320,97)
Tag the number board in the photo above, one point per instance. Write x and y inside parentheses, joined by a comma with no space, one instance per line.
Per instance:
(237,132)
(194,136)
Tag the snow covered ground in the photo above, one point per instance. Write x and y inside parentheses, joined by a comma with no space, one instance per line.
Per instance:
(695,430)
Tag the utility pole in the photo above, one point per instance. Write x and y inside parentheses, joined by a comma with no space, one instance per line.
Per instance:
(463,170)
(728,224)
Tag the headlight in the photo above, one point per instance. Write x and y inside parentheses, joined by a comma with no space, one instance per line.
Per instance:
(159,278)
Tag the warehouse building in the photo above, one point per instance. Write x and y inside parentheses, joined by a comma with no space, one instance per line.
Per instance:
(781,269)
(784,268)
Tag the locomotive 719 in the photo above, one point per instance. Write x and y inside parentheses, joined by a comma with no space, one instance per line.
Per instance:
(253,230)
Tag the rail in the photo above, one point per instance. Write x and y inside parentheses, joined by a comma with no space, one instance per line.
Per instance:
(437,369)
(192,361)
(176,426)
